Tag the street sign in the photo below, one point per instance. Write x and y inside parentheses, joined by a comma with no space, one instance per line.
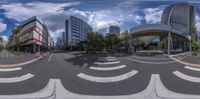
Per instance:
(189,37)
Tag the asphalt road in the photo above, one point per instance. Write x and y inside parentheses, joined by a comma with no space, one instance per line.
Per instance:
(83,74)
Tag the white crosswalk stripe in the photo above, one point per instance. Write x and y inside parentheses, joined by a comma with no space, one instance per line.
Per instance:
(107,68)
(107,79)
(192,68)
(186,77)
(16,79)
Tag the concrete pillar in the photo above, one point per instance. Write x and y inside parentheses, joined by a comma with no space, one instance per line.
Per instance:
(169,45)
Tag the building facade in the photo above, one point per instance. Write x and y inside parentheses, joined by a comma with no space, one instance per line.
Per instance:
(176,24)
(76,31)
(114,29)
(33,36)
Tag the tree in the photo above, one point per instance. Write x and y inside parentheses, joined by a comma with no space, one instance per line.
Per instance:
(161,45)
(193,33)
(95,41)
(195,46)
(193,30)
(1,43)
(125,36)
(139,44)
(112,41)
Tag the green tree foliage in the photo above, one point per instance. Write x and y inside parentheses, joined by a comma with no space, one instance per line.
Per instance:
(195,46)
(1,43)
(139,44)
(161,45)
(13,37)
(193,30)
(112,41)
(95,41)
(125,36)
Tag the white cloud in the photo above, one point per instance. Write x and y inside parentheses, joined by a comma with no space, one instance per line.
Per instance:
(153,15)
(5,39)
(53,14)
(3,27)
(22,11)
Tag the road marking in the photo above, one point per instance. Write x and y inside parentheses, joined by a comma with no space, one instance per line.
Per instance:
(107,68)
(47,92)
(16,79)
(106,63)
(50,57)
(63,93)
(9,69)
(192,68)
(106,59)
(150,58)
(145,62)
(107,79)
(187,77)
(163,92)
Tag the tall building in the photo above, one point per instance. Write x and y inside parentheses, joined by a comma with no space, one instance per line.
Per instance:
(76,31)
(176,24)
(33,36)
(114,29)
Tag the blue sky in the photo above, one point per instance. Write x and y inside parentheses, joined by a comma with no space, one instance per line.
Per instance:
(100,14)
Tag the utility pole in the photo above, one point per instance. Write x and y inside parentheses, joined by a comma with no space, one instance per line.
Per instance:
(169,45)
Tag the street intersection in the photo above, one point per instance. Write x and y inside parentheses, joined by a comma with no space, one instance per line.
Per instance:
(102,75)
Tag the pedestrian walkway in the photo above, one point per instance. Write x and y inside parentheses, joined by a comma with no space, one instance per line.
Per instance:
(108,79)
(186,59)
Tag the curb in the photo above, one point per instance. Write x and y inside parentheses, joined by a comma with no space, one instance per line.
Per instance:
(183,62)
(23,63)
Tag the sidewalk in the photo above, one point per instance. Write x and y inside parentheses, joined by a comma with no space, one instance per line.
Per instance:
(187,59)
(20,60)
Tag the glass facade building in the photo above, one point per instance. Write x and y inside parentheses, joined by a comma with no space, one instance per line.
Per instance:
(76,31)
(114,29)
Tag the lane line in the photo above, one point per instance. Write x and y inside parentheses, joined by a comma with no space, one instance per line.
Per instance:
(163,92)
(107,79)
(145,62)
(107,68)
(147,93)
(186,77)
(46,93)
(106,63)
(50,57)
(192,68)
(150,58)
(9,69)
(16,79)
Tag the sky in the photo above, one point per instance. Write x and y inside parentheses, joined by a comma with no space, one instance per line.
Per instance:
(100,14)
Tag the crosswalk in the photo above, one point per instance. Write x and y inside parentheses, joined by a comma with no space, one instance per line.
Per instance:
(186,76)
(102,64)
(14,79)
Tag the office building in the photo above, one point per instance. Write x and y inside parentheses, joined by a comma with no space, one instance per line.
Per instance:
(33,36)
(176,24)
(76,31)
(114,29)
